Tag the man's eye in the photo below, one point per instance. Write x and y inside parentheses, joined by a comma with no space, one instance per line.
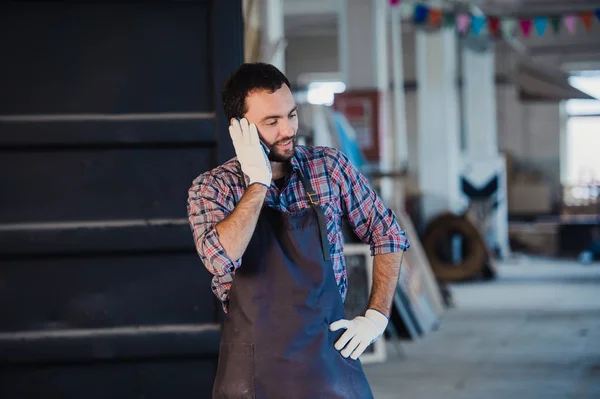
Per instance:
(293,115)
(272,123)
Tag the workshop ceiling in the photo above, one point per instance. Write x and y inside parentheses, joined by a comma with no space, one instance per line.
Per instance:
(319,17)
(535,7)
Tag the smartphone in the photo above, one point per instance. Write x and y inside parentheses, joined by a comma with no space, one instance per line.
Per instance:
(264,146)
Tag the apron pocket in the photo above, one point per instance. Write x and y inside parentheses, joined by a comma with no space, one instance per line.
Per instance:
(235,372)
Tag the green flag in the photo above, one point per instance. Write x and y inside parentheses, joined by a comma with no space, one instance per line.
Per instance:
(556,23)
(449,19)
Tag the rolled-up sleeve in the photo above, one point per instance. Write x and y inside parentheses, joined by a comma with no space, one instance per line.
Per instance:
(372,221)
(209,202)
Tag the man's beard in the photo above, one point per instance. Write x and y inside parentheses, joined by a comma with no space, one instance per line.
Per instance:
(277,155)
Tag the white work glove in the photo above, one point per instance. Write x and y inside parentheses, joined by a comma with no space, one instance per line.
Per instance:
(250,153)
(361,332)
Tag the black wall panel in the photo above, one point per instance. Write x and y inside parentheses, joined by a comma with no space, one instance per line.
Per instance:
(104,291)
(148,380)
(108,111)
(91,57)
(53,135)
(81,239)
(91,184)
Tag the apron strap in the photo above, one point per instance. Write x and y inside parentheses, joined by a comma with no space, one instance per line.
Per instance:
(314,202)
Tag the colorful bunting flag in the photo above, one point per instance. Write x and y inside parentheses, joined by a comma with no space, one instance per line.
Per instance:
(421,12)
(494,26)
(394,3)
(508,26)
(406,9)
(435,17)
(463,22)
(449,19)
(525,24)
(586,18)
(556,24)
(540,25)
(477,24)
(570,21)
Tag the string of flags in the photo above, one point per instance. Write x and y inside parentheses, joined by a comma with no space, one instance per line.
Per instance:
(497,26)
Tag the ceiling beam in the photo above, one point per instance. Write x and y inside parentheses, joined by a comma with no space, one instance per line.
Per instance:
(309,7)
(525,8)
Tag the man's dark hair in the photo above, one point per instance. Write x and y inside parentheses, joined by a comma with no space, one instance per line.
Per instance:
(248,78)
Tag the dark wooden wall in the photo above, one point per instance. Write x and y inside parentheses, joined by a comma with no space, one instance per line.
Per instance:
(108,111)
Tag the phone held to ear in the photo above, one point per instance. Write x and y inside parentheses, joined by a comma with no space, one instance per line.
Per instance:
(265,149)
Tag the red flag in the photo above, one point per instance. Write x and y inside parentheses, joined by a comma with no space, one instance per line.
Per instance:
(394,2)
(435,16)
(494,26)
(525,26)
(586,18)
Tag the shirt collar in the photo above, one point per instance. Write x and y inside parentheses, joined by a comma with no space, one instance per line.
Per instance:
(295,163)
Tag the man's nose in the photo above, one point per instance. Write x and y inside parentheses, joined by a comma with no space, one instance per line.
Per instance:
(286,129)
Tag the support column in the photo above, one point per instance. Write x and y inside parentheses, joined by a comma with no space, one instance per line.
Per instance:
(484,168)
(479,102)
(363,44)
(400,146)
(273,34)
(364,63)
(439,123)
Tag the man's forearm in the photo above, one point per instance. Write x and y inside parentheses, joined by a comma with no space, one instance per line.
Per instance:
(235,231)
(386,270)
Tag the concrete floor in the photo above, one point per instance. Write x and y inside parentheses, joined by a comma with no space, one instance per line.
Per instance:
(532,333)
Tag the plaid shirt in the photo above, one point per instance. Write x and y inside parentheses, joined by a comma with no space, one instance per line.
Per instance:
(343,193)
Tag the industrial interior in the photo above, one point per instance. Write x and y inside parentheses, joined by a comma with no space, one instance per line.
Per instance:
(477,122)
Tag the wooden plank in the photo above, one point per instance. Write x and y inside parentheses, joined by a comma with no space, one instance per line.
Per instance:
(158,379)
(110,344)
(35,134)
(36,240)
(110,184)
(417,257)
(57,294)
(113,57)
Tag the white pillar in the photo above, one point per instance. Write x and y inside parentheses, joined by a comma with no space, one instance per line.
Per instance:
(273,34)
(364,64)
(400,156)
(439,122)
(362,40)
(479,102)
(481,161)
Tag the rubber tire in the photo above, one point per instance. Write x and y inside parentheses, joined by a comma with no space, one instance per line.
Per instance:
(474,262)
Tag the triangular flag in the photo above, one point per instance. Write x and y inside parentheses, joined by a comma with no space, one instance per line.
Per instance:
(540,25)
(462,22)
(421,12)
(449,19)
(525,24)
(508,27)
(570,21)
(586,18)
(435,17)
(406,10)
(477,23)
(394,3)
(494,26)
(556,24)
